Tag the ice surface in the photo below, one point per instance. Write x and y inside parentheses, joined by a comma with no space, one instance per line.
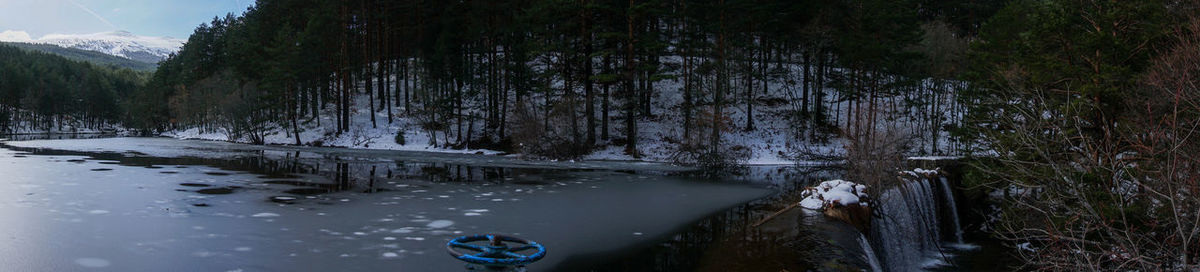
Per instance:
(341,223)
(438,224)
(93,262)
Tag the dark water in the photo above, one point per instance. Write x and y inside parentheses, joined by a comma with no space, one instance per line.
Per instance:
(728,240)
(136,204)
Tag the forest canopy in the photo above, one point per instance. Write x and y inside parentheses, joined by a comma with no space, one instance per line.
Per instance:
(41,91)
(548,76)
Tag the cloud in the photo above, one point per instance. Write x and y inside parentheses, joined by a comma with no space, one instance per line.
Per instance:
(88,10)
(15,36)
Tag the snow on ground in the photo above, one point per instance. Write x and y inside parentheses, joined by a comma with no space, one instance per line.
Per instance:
(934,158)
(833,192)
(922,173)
(66,127)
(773,141)
(362,134)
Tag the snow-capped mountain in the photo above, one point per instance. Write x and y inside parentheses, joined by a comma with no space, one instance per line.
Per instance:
(117,43)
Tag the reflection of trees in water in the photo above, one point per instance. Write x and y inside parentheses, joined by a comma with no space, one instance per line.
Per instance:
(726,241)
(336,174)
(375,177)
(326,174)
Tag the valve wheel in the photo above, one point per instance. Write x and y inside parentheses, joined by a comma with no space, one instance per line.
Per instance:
(495,250)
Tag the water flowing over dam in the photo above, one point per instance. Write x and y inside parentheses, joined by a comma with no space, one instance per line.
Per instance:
(909,234)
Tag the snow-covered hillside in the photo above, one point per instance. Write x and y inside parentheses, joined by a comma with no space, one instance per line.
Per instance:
(117,43)
(362,134)
(772,142)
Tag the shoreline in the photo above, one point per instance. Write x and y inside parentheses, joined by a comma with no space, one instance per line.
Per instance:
(481,152)
(168,147)
(60,133)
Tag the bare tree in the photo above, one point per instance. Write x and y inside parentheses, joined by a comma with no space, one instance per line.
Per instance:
(1067,206)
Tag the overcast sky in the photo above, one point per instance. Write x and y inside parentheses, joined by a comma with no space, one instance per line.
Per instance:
(174,18)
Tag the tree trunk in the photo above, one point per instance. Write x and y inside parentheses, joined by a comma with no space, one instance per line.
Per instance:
(294,115)
(589,94)
(605,100)
(687,94)
(804,85)
(631,101)
(722,83)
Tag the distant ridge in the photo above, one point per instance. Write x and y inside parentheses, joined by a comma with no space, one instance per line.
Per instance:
(117,43)
(93,57)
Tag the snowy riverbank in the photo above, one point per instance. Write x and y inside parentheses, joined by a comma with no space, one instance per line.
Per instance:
(63,127)
(362,134)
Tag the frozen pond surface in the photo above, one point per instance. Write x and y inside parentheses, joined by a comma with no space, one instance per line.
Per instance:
(165,205)
(172,148)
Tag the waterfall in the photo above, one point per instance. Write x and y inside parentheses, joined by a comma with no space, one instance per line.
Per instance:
(925,202)
(869,253)
(908,234)
(958,233)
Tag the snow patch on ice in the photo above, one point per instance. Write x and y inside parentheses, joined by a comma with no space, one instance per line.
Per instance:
(92,262)
(265,214)
(437,224)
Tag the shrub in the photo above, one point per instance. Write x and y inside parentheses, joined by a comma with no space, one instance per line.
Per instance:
(553,138)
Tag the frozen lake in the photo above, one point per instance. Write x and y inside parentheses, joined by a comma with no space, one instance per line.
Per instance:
(148,204)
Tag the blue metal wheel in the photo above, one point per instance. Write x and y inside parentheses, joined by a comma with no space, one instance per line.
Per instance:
(495,250)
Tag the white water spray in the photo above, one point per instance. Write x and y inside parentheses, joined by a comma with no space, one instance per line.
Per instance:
(908,233)
(870,253)
(958,232)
